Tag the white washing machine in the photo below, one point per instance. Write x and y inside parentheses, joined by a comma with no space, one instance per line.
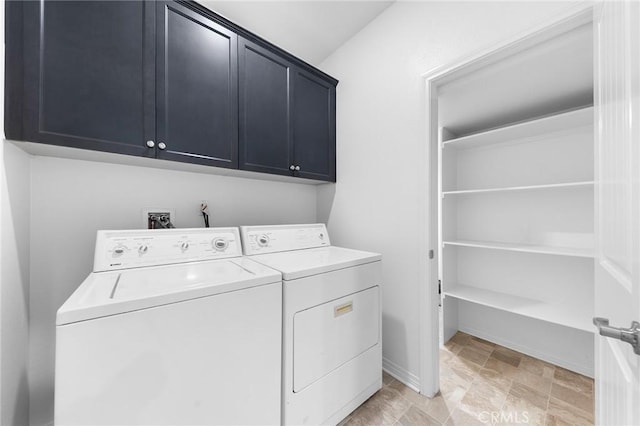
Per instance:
(332,357)
(173,327)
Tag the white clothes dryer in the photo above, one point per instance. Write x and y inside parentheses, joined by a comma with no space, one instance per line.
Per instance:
(173,327)
(332,357)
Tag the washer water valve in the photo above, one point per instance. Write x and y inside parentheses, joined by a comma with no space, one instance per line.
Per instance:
(157,220)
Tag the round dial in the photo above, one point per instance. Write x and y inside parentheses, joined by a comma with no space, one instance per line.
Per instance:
(118,250)
(184,246)
(143,248)
(263,240)
(220,244)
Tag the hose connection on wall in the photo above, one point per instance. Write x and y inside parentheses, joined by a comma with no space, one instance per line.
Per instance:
(204,209)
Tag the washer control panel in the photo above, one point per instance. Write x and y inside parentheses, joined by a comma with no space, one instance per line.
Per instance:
(276,238)
(150,247)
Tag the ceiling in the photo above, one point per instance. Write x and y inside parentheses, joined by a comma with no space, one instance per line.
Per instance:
(309,29)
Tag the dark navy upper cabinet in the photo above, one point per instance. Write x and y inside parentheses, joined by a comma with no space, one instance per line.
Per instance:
(86,75)
(265,123)
(197,101)
(164,79)
(287,116)
(314,126)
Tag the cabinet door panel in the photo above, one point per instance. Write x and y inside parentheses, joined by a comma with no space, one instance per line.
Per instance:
(265,131)
(85,74)
(314,109)
(197,87)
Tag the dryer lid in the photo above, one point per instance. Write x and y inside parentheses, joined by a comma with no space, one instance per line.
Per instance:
(116,292)
(303,263)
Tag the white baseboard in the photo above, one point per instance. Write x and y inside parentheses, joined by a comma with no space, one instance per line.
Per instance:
(401,374)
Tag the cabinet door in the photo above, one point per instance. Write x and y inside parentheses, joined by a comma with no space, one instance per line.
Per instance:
(314,130)
(265,130)
(197,88)
(86,71)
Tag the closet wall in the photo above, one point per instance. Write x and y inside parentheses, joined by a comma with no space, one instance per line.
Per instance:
(516,191)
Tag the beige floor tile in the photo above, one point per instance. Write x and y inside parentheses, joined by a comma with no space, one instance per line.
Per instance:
(479,383)
(461,418)
(481,344)
(453,347)
(387,378)
(508,351)
(460,338)
(552,420)
(383,408)
(536,366)
(494,378)
(538,383)
(574,381)
(474,355)
(440,409)
(451,376)
(577,399)
(509,357)
(370,415)
(461,372)
(538,399)
(393,403)
(518,411)
(507,370)
(415,416)
(482,398)
(467,370)
(452,391)
(410,395)
(445,355)
(560,413)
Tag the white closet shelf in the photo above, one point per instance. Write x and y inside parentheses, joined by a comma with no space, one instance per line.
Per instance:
(520,188)
(526,248)
(526,130)
(578,317)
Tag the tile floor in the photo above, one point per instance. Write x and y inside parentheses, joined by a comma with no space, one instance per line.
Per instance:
(482,383)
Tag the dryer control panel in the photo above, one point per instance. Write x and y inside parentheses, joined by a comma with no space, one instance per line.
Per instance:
(151,247)
(276,238)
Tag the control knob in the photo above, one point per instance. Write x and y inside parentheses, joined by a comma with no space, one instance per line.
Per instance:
(220,244)
(119,250)
(263,240)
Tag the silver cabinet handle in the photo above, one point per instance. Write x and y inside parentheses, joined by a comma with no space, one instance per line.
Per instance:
(292,167)
(630,335)
(151,144)
(297,168)
(162,145)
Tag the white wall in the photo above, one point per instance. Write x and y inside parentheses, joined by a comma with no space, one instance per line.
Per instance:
(14,273)
(380,133)
(14,285)
(72,199)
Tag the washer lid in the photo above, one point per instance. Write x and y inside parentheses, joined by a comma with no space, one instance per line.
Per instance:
(110,293)
(303,263)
